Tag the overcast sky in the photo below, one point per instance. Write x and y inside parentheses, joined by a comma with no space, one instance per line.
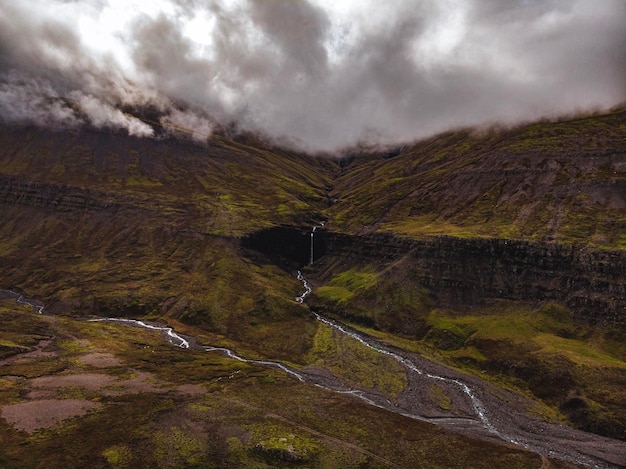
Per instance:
(319,75)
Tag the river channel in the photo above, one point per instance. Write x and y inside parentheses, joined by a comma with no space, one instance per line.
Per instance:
(484,414)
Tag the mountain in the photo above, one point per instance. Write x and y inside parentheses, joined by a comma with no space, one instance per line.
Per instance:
(495,253)
(551,181)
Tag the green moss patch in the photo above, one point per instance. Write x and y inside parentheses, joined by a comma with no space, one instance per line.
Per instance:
(355,364)
(344,285)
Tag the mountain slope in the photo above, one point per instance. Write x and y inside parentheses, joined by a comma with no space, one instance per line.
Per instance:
(562,181)
(227,187)
(114,225)
(208,238)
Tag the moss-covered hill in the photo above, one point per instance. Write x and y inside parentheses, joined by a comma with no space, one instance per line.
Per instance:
(77,394)
(562,181)
(557,182)
(108,224)
(98,223)
(226,187)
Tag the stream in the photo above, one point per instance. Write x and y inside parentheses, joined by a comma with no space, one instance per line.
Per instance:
(546,439)
(22,300)
(408,364)
(172,336)
(552,440)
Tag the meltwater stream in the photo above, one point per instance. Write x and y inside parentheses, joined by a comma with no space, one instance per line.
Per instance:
(22,300)
(477,405)
(172,336)
(536,445)
(545,444)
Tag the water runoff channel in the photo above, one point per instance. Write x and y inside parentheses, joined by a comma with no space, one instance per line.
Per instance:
(479,425)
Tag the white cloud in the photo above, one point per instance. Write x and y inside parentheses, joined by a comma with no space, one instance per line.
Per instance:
(101,114)
(320,74)
(187,122)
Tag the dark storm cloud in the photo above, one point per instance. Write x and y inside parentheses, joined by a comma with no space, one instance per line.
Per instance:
(319,75)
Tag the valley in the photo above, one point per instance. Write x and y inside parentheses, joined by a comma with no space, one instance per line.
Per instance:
(491,262)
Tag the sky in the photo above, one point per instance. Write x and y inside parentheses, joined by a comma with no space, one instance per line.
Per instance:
(315,75)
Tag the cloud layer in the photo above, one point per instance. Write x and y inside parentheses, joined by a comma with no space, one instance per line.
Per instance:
(319,75)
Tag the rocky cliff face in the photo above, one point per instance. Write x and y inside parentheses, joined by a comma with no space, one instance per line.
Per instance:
(462,273)
(62,198)
(286,246)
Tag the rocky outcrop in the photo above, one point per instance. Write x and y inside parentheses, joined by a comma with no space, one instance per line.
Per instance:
(462,273)
(286,246)
(58,197)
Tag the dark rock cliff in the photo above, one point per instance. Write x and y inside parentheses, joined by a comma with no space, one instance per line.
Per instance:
(462,273)
(59,197)
(286,246)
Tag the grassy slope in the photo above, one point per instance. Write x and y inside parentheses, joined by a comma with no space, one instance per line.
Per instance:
(558,181)
(227,187)
(165,244)
(244,416)
(563,181)
(538,351)
(159,252)
(162,251)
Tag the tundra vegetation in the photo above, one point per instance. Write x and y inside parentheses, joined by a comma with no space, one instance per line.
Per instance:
(97,224)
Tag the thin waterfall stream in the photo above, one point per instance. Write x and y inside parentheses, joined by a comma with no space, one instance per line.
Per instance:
(536,445)
(477,405)
(20,299)
(312,250)
(172,336)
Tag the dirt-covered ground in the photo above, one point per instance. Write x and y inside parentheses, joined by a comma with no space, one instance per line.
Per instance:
(46,404)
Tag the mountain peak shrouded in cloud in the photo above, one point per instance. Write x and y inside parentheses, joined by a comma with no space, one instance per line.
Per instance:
(319,75)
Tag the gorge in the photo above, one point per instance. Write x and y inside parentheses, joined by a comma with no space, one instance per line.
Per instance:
(467,273)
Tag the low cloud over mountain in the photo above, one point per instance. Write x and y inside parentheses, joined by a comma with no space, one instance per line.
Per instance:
(318,75)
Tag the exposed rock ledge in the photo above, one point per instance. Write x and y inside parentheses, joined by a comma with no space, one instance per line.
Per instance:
(470,272)
(62,198)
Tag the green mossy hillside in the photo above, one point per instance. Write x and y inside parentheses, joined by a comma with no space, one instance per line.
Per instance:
(561,181)
(225,187)
(540,351)
(97,224)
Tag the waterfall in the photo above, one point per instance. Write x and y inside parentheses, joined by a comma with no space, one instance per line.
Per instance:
(321,225)
(312,236)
